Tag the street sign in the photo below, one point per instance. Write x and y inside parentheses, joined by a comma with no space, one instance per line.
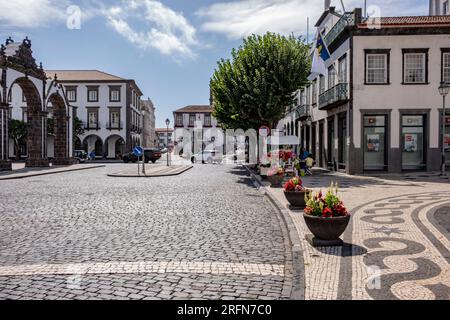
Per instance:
(264,131)
(138,151)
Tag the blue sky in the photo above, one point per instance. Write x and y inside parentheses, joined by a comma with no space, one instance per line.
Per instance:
(170,47)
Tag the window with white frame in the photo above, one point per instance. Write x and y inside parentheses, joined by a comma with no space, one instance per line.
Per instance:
(191,120)
(115,119)
(446,67)
(414,67)
(321,84)
(376,72)
(308,95)
(92,119)
(342,70)
(114,94)
(302,97)
(179,120)
(71,94)
(92,94)
(314,92)
(331,77)
(207,120)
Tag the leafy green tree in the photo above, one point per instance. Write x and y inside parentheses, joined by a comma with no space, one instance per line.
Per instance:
(77,130)
(255,86)
(18,133)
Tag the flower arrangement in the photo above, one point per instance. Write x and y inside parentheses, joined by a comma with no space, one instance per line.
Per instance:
(275,171)
(325,206)
(294,185)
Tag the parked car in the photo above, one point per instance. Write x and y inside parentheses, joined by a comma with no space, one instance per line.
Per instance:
(80,155)
(208,156)
(151,154)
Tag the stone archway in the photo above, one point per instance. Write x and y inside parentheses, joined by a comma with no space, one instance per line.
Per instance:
(60,130)
(36,124)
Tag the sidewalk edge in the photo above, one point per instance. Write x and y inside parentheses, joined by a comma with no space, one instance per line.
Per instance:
(298,265)
(4,178)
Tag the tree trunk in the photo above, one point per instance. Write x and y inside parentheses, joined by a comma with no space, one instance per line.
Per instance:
(17,146)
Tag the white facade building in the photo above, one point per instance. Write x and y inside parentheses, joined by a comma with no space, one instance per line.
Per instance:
(164,137)
(378,107)
(109,108)
(196,128)
(439,7)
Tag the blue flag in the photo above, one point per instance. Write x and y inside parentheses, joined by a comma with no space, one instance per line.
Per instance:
(320,55)
(322,48)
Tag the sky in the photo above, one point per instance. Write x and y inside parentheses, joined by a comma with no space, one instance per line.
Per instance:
(170,47)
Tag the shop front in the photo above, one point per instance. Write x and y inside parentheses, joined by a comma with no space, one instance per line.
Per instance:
(413,142)
(375,143)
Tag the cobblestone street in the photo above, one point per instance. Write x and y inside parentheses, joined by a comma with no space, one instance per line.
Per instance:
(207,233)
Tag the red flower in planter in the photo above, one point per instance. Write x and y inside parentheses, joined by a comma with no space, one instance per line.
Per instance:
(340,210)
(327,213)
(289,186)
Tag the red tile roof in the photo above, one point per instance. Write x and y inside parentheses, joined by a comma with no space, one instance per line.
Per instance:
(425,21)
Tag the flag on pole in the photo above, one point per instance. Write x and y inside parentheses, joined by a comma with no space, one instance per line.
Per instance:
(320,56)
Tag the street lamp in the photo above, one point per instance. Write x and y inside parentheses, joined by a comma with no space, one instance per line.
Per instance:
(142,142)
(167,140)
(444,88)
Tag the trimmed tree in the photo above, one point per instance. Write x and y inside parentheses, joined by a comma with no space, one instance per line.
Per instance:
(255,86)
(18,133)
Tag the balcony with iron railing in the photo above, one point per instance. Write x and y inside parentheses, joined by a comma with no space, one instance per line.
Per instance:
(334,97)
(347,19)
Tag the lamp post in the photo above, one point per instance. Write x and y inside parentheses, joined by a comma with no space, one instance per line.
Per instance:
(142,143)
(167,140)
(444,88)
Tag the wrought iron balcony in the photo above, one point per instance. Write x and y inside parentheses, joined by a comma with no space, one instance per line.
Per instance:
(348,19)
(334,97)
(302,112)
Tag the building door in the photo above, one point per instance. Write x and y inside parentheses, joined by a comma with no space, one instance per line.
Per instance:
(413,142)
(321,146)
(375,143)
(331,136)
(313,140)
(342,141)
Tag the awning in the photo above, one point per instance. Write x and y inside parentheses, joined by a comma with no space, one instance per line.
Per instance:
(283,141)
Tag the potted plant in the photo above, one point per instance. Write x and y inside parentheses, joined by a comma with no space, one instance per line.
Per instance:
(275,176)
(325,215)
(295,192)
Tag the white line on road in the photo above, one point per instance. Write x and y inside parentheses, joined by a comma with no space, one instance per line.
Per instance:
(215,268)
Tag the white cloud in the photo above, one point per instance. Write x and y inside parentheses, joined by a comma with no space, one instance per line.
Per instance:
(162,28)
(238,19)
(31,13)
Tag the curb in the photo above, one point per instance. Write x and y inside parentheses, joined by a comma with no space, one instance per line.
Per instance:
(118,175)
(48,173)
(298,265)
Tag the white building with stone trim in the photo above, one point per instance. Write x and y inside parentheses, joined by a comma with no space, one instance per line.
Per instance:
(378,108)
(110,108)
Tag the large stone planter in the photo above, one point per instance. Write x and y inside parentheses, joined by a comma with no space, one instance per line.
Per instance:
(296,199)
(275,181)
(329,229)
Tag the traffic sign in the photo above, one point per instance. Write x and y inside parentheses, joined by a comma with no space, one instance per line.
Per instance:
(264,131)
(138,151)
